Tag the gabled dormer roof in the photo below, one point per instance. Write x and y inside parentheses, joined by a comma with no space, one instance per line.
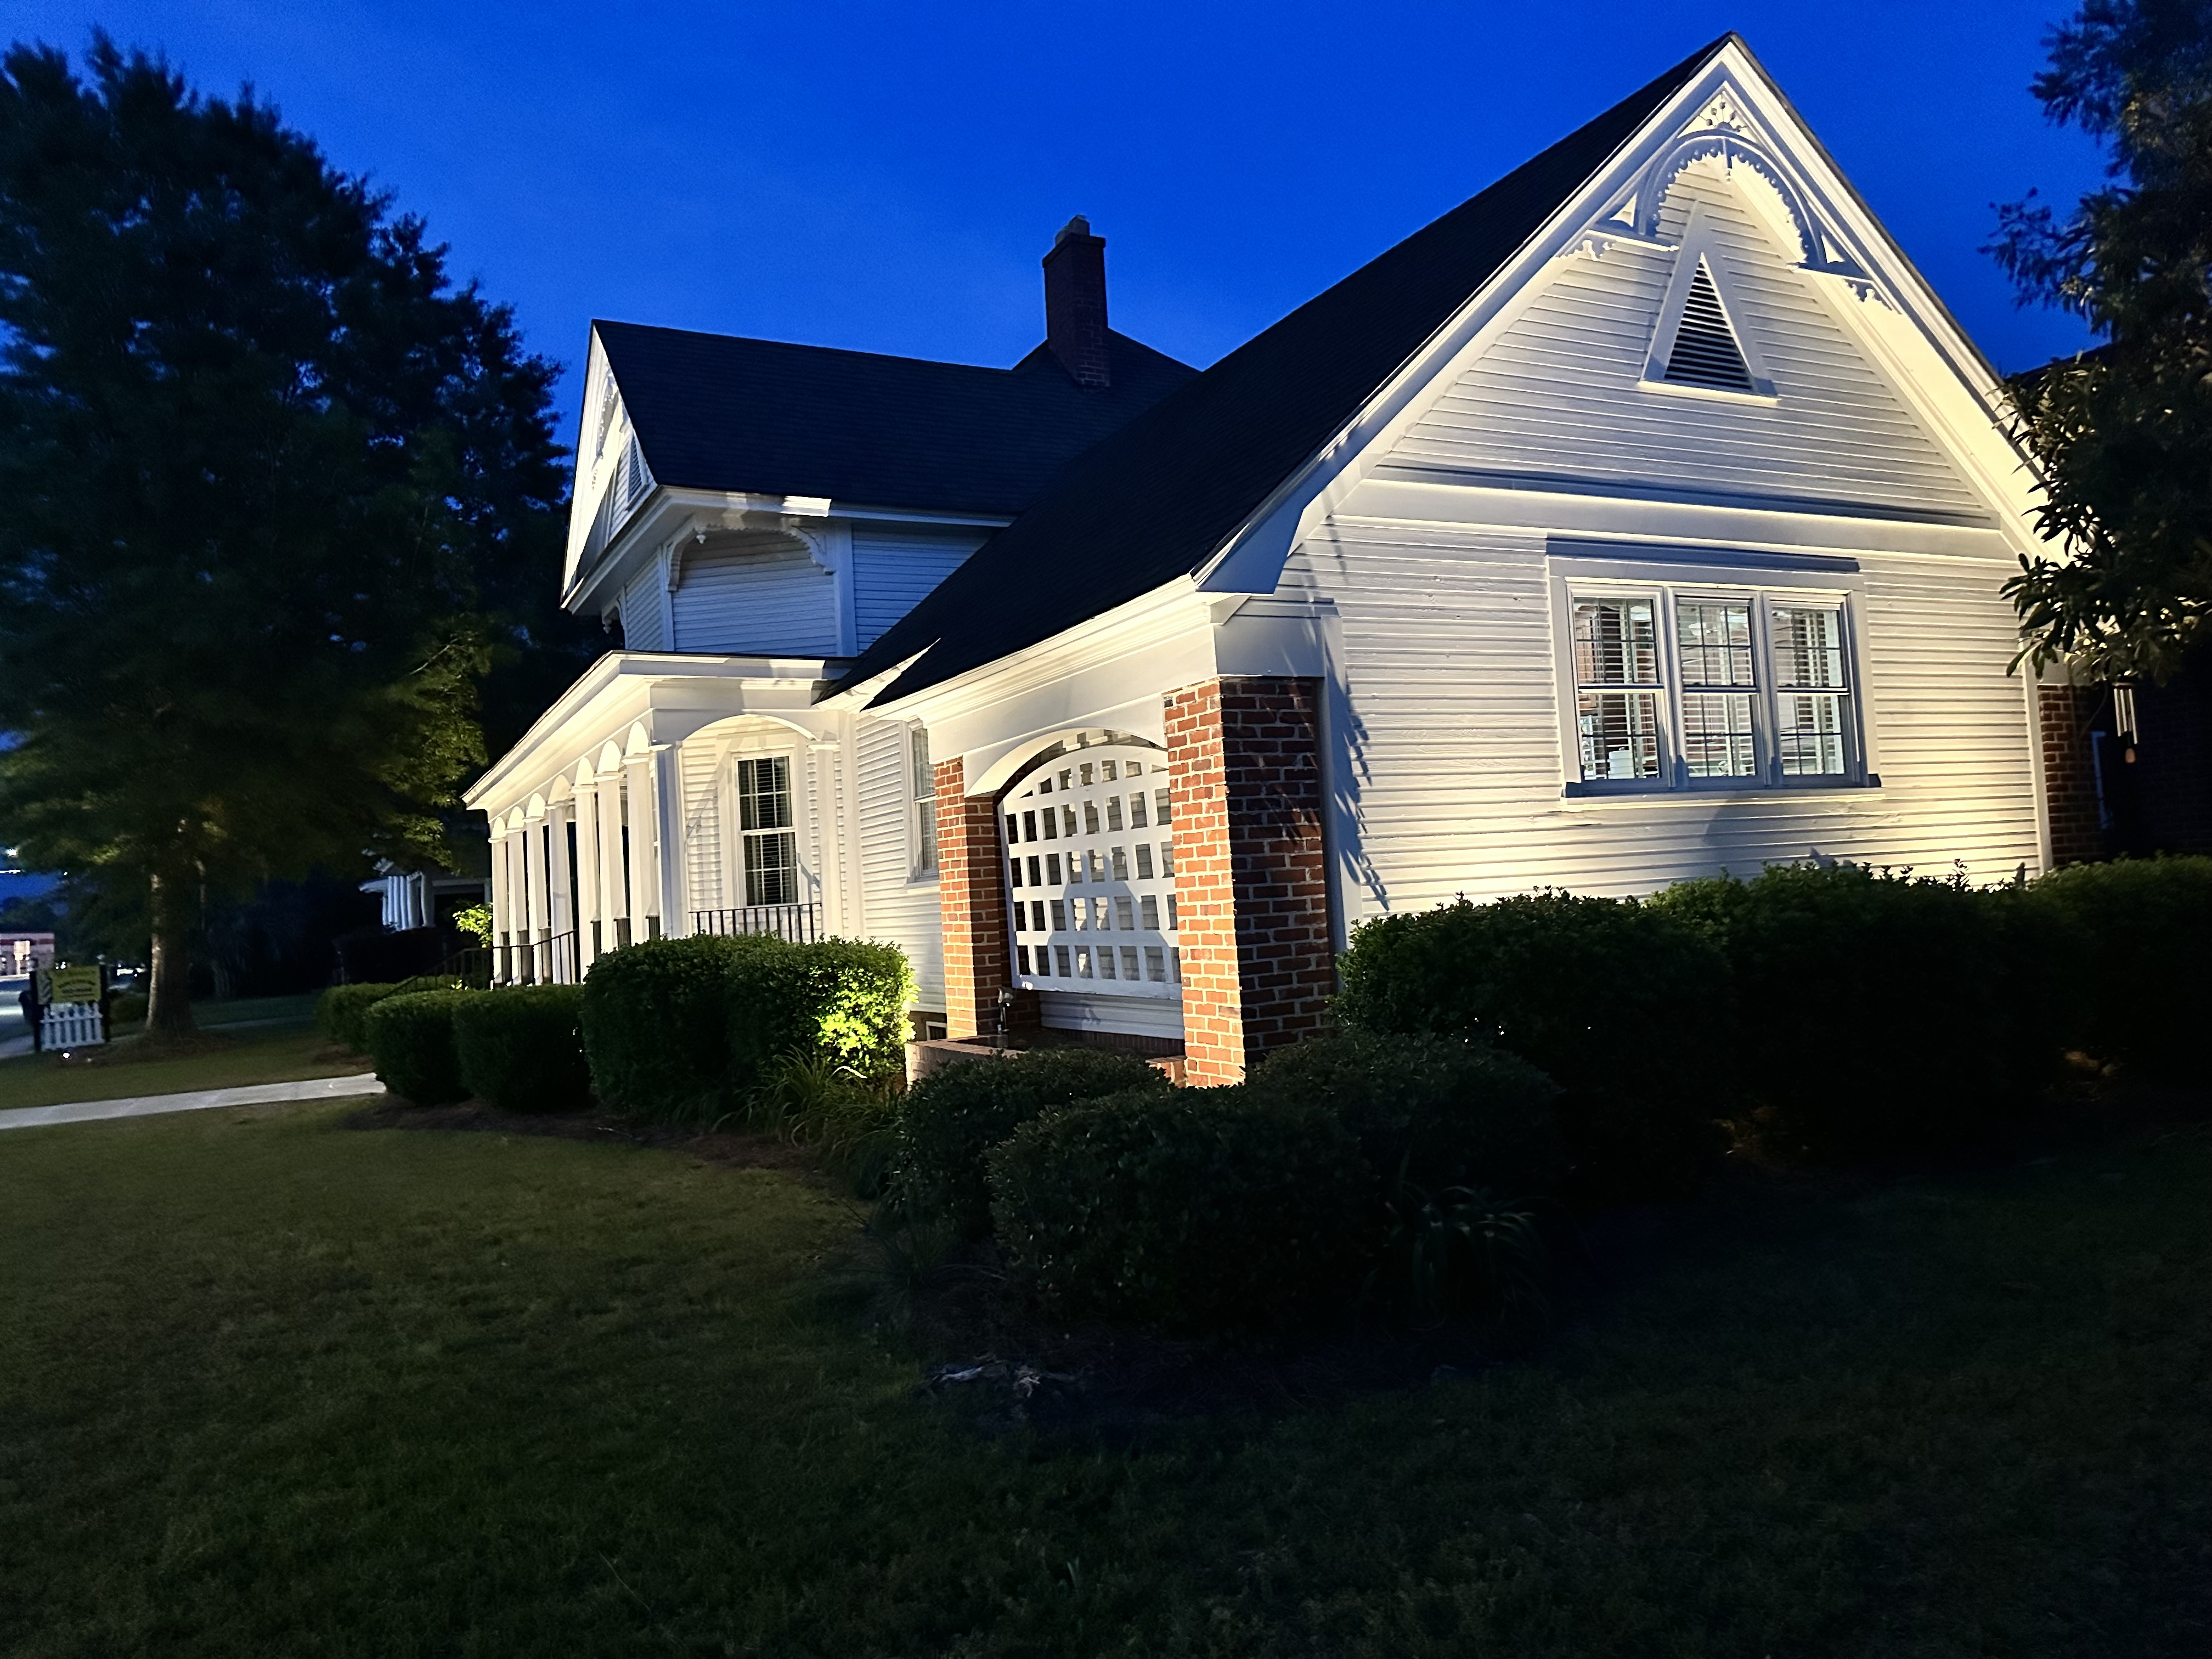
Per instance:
(1160,496)
(722,412)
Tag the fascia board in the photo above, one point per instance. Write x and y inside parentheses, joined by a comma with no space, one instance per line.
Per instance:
(1164,611)
(581,514)
(1251,559)
(625,686)
(1388,499)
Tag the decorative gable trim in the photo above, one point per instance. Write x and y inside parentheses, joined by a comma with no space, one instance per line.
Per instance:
(1710,313)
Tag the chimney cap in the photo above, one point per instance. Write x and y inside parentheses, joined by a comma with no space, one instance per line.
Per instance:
(1079,225)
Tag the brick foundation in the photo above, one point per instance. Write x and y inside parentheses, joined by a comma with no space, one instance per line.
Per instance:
(971,897)
(2070,781)
(1251,873)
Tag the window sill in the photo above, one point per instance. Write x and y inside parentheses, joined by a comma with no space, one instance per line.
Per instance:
(1585,795)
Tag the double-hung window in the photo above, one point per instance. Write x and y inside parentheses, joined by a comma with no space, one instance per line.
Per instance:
(1690,688)
(923,809)
(770,849)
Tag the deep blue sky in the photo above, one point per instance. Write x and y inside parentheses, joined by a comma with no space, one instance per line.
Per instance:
(885,177)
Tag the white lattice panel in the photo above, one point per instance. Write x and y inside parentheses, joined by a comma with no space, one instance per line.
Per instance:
(1090,874)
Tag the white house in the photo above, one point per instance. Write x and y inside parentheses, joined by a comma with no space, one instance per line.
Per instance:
(1643,516)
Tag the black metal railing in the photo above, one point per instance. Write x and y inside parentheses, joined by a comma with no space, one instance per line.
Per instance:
(549,959)
(800,923)
(475,967)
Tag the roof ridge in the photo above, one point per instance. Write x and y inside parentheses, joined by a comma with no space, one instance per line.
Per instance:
(1157,497)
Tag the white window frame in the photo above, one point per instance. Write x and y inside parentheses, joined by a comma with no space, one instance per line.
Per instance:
(738,887)
(1764,583)
(919,780)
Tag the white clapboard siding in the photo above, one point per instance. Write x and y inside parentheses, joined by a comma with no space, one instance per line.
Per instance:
(762,593)
(1451,755)
(703,888)
(899,909)
(893,569)
(1079,1011)
(641,610)
(1556,396)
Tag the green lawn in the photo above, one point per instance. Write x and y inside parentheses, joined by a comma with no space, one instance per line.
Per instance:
(269,1386)
(258,1053)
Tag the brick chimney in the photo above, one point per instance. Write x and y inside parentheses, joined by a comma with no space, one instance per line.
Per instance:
(1075,303)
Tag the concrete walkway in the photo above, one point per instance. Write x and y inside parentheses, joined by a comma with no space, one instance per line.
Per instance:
(198,1100)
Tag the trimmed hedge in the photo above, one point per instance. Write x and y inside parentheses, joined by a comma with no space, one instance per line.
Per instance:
(340,1012)
(521,1048)
(411,1039)
(656,1025)
(954,1116)
(1444,1111)
(1196,1209)
(1628,1007)
(2134,959)
(1879,1012)
(843,1000)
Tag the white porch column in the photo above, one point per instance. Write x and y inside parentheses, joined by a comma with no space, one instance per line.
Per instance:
(826,830)
(502,917)
(589,934)
(561,966)
(607,837)
(530,844)
(641,775)
(668,849)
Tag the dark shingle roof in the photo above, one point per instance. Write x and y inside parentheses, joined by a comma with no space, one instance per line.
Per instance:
(1157,498)
(716,412)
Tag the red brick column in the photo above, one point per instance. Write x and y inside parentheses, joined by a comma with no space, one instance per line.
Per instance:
(2070,781)
(971,897)
(1251,874)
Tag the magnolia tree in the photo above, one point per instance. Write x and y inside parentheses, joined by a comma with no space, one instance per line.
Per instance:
(2123,433)
(270,489)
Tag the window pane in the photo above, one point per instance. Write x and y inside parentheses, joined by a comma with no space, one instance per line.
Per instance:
(1808,646)
(1717,739)
(1616,642)
(771,870)
(764,793)
(1715,643)
(925,836)
(925,784)
(1809,741)
(1620,735)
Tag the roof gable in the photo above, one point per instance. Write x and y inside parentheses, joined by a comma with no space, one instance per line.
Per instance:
(1161,495)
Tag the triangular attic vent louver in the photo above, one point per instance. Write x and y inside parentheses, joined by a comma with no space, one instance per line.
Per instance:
(1706,352)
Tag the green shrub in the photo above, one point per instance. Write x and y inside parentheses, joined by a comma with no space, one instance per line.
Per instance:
(522,1049)
(840,1000)
(656,1026)
(1448,1111)
(1627,1007)
(1196,1209)
(1879,1013)
(2134,960)
(340,1010)
(411,1039)
(126,1010)
(847,1120)
(955,1116)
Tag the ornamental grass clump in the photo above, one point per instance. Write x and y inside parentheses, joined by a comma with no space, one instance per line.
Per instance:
(412,1039)
(952,1119)
(521,1048)
(1879,1013)
(1628,1008)
(1190,1209)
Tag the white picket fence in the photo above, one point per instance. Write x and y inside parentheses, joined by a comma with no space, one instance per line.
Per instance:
(71,1026)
